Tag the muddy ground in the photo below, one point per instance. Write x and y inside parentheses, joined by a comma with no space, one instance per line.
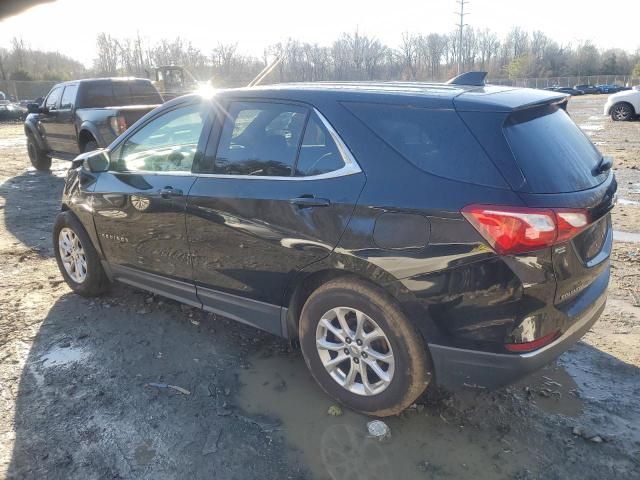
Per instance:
(75,374)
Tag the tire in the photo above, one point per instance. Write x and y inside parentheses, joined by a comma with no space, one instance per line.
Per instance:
(94,281)
(38,157)
(622,112)
(411,370)
(90,146)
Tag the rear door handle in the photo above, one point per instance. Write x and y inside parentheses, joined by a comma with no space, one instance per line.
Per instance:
(167,192)
(309,201)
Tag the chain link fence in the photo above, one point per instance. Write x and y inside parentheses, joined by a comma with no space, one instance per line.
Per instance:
(623,80)
(25,90)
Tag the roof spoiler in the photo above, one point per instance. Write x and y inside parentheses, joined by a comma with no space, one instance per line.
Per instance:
(475,79)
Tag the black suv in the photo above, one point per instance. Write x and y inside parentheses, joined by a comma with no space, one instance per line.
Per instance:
(403,232)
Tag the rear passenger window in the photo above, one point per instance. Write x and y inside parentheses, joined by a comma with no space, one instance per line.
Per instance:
(98,95)
(68,97)
(435,141)
(318,152)
(260,139)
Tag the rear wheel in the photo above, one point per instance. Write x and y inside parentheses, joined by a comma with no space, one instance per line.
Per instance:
(38,157)
(361,348)
(622,112)
(77,258)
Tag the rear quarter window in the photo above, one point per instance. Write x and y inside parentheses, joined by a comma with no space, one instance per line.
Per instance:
(144,93)
(436,141)
(97,95)
(554,155)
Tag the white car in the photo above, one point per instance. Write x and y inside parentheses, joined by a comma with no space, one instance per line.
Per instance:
(623,105)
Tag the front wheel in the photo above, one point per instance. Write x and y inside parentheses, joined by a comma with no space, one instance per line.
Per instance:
(38,157)
(77,258)
(621,112)
(361,348)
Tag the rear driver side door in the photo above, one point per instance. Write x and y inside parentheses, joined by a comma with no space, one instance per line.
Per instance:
(275,191)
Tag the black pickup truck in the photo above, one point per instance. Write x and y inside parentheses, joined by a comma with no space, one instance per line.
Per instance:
(83,115)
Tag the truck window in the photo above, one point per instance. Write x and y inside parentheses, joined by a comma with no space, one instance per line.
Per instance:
(68,97)
(53,98)
(144,93)
(118,93)
(97,95)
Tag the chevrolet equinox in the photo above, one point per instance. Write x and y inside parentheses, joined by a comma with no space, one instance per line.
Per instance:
(405,233)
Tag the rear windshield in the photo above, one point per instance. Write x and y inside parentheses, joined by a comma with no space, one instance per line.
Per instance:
(118,94)
(552,152)
(435,141)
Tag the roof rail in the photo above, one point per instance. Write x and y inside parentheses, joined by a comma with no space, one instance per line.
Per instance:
(475,79)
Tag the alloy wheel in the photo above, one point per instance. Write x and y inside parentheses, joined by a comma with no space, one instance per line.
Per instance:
(621,112)
(355,351)
(72,255)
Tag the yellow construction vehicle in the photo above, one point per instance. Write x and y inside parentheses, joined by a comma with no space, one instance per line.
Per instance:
(174,80)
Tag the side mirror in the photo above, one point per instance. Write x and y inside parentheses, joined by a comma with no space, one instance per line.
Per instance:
(99,162)
(33,108)
(96,161)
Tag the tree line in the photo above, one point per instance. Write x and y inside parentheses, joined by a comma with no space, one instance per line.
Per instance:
(352,56)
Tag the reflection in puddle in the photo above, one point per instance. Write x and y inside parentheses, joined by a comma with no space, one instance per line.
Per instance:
(423,444)
(59,356)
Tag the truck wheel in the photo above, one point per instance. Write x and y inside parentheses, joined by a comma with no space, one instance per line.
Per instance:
(77,258)
(39,158)
(361,348)
(90,146)
(621,112)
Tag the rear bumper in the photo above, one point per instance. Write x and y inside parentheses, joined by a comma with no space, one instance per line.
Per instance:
(456,368)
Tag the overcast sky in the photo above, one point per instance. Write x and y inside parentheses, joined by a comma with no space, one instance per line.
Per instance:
(70,26)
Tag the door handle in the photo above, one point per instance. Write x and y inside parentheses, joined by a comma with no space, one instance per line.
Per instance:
(167,192)
(308,201)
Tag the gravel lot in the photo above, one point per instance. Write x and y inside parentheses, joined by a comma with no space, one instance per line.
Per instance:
(76,400)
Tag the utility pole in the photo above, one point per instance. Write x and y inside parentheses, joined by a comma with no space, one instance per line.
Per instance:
(461,26)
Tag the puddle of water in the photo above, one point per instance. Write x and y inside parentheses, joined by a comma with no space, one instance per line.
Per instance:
(337,448)
(553,390)
(609,384)
(626,236)
(624,201)
(60,357)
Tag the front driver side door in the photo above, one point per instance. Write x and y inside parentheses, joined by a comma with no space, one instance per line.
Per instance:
(48,120)
(139,204)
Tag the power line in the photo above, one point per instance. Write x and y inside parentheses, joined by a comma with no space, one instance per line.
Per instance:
(461,13)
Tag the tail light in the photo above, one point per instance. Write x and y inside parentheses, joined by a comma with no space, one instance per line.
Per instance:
(533,345)
(118,124)
(512,230)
